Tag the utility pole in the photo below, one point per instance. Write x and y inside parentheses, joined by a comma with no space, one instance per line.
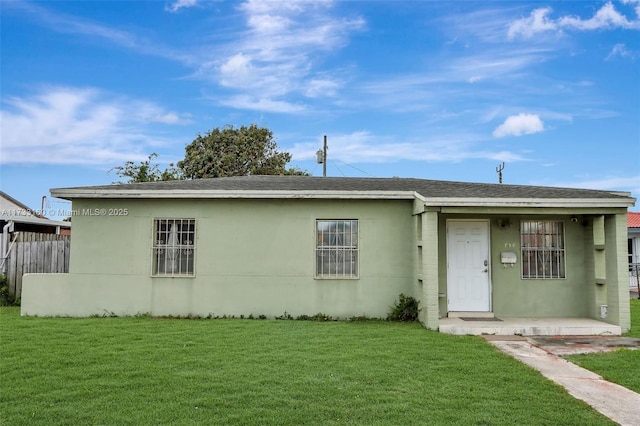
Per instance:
(324,156)
(321,157)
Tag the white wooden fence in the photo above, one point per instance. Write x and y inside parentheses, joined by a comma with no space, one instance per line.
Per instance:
(35,252)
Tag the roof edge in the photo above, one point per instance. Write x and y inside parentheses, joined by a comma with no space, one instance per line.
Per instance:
(530,202)
(34,220)
(72,193)
(76,193)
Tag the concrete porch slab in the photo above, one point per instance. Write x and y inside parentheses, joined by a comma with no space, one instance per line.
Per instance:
(471,314)
(530,327)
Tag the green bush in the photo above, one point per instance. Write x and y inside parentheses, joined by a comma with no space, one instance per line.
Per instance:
(285,316)
(5,298)
(405,309)
(321,317)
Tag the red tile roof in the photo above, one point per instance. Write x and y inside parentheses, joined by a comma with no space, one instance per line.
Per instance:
(633,220)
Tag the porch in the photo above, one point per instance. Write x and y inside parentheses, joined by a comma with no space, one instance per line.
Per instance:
(527,326)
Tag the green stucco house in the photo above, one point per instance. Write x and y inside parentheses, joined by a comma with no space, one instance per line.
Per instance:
(345,247)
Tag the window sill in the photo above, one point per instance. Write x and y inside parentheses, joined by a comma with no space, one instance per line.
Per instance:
(344,278)
(172,276)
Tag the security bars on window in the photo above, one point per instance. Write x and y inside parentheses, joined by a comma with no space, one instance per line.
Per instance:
(337,248)
(543,252)
(174,247)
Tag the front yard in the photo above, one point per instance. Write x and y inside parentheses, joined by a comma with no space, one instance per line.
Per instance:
(621,366)
(177,371)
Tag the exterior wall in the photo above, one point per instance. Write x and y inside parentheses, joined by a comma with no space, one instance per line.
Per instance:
(577,295)
(252,257)
(514,296)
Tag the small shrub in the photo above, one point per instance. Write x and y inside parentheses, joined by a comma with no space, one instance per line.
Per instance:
(360,318)
(263,317)
(303,317)
(285,316)
(405,309)
(5,298)
(321,317)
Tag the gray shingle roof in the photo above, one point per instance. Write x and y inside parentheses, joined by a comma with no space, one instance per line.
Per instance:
(424,187)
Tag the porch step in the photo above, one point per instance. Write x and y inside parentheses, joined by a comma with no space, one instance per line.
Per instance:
(471,315)
(530,327)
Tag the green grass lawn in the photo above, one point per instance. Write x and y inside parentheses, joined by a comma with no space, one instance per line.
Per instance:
(622,366)
(635,319)
(248,372)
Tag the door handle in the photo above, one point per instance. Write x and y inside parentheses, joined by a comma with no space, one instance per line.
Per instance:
(486,262)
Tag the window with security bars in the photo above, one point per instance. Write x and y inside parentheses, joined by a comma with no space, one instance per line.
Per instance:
(543,252)
(336,248)
(174,247)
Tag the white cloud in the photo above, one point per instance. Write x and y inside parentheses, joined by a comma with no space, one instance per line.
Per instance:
(606,17)
(620,49)
(276,55)
(180,4)
(171,118)
(321,87)
(69,24)
(365,147)
(535,23)
(250,102)
(63,125)
(518,125)
(236,71)
(539,21)
(609,183)
(440,84)
(634,2)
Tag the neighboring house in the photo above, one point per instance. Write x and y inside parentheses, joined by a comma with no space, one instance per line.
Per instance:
(633,227)
(17,217)
(340,246)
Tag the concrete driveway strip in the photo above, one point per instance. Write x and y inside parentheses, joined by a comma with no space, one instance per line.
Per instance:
(614,401)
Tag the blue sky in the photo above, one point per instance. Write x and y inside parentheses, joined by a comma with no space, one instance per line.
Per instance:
(435,90)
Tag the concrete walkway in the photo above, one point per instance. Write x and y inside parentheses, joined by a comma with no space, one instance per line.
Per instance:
(614,401)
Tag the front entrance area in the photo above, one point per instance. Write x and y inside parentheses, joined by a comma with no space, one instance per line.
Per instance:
(468,283)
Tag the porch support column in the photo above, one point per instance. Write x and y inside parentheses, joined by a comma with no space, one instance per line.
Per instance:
(430,307)
(617,271)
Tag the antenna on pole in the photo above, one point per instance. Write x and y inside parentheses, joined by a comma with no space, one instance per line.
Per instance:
(499,169)
(321,157)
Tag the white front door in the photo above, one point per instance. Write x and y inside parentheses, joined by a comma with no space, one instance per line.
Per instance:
(468,285)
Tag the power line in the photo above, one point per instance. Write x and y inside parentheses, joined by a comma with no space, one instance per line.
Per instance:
(354,167)
(343,175)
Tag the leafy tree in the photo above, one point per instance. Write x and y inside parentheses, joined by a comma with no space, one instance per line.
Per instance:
(146,171)
(221,152)
(234,151)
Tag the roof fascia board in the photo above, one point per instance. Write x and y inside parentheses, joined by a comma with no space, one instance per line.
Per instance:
(70,194)
(523,211)
(73,193)
(33,220)
(531,202)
